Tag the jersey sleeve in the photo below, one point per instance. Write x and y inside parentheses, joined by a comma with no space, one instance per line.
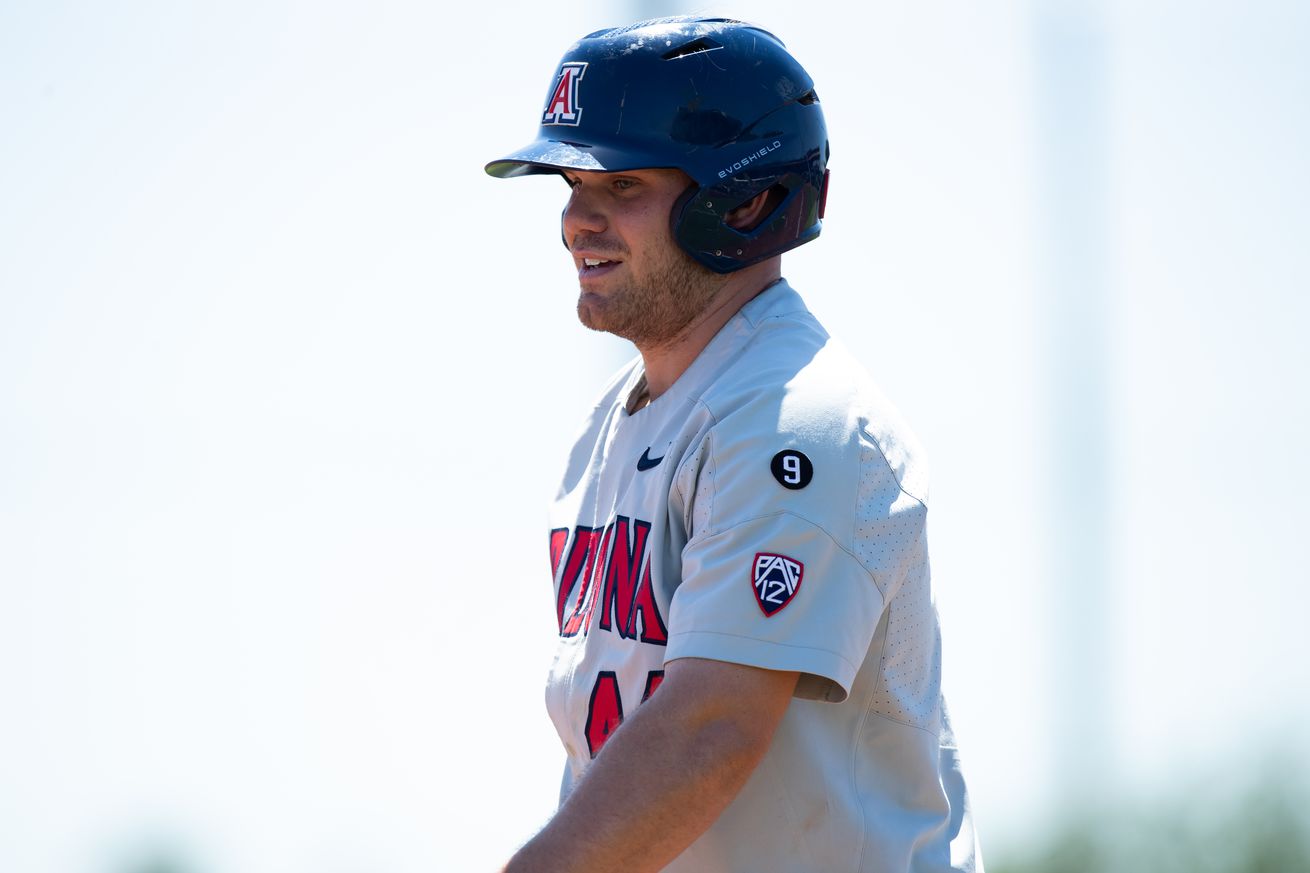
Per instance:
(792,578)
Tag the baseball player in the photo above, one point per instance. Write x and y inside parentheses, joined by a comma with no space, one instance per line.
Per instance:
(748,672)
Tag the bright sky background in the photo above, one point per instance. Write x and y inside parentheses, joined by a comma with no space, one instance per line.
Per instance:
(286,382)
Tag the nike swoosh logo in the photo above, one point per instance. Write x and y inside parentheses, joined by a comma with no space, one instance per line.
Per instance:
(645,462)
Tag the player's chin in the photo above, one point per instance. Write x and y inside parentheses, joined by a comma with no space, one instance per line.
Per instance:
(602,313)
(591,310)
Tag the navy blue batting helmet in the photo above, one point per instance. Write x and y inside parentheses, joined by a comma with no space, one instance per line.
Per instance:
(719,99)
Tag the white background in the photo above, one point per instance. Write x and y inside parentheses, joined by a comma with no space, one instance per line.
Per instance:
(286,381)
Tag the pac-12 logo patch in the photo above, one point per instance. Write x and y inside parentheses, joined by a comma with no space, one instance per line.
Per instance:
(563,106)
(776,579)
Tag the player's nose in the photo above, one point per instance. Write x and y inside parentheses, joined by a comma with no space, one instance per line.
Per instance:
(582,214)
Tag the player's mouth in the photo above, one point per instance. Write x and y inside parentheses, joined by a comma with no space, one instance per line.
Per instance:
(595,268)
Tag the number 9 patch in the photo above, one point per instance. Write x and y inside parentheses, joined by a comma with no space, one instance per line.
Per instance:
(792,469)
(775,579)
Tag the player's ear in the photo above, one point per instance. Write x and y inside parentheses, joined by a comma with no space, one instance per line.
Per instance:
(748,215)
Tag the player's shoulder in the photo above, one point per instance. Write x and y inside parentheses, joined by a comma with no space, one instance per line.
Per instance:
(786,350)
(795,386)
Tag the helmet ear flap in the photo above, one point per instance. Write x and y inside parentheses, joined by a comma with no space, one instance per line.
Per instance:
(749,216)
(699,221)
(702,229)
(677,216)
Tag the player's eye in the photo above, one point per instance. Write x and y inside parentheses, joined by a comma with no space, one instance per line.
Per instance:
(624,184)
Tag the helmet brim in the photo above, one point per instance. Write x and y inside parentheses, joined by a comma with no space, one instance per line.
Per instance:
(554,156)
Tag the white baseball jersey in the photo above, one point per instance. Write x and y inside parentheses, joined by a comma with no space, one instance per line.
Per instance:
(769,509)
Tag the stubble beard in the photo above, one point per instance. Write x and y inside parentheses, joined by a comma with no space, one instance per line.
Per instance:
(652,311)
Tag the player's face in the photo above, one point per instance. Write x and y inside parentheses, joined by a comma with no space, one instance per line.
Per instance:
(635,281)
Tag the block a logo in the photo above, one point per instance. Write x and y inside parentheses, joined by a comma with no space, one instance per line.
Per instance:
(776,579)
(563,106)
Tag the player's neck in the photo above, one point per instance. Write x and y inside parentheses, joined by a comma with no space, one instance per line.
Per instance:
(666,362)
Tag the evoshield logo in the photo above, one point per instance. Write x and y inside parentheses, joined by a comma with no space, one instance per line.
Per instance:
(563,106)
(746,161)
